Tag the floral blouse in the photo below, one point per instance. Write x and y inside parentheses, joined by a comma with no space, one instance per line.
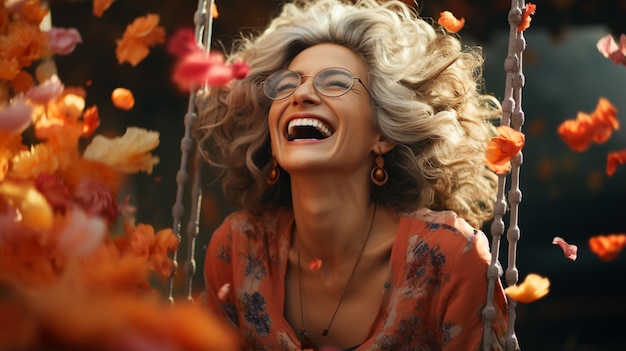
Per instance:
(432,299)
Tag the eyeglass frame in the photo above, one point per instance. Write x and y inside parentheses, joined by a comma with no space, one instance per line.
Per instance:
(314,85)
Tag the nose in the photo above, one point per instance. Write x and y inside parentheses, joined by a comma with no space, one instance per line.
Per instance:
(306,92)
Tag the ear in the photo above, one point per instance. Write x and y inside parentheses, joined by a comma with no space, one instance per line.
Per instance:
(383,145)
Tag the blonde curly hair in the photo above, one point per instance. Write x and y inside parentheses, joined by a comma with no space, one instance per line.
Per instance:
(426,98)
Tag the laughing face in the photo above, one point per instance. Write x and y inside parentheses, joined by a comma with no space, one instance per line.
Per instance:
(313,132)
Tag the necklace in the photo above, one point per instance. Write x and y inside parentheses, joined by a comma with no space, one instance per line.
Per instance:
(305,340)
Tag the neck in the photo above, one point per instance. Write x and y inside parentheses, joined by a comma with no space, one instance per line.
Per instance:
(330,221)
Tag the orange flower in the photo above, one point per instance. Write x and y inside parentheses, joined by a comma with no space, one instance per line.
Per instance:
(529,9)
(502,148)
(22,82)
(165,244)
(99,6)
(29,164)
(129,153)
(34,211)
(449,22)
(615,159)
(9,68)
(123,98)
(10,144)
(531,289)
(607,247)
(91,120)
(139,36)
(586,129)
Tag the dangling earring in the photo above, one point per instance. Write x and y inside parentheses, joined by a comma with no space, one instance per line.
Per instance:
(274,174)
(379,175)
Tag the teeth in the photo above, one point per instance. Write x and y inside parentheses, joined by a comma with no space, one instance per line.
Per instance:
(309,122)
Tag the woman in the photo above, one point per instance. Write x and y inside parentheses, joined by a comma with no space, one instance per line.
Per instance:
(355,150)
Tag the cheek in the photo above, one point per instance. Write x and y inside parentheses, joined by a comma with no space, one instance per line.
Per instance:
(273,118)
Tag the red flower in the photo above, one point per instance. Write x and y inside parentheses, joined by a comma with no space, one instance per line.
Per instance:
(55,192)
(96,198)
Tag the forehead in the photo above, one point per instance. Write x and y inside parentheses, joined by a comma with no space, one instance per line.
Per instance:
(318,57)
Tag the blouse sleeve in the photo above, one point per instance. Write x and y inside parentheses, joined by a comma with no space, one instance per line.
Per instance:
(463,297)
(218,272)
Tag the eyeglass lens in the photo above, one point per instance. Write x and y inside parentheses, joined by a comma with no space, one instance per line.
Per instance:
(331,82)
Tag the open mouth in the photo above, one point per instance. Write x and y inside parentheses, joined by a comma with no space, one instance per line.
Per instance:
(308,129)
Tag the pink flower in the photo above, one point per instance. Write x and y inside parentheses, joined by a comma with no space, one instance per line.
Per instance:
(55,192)
(182,43)
(82,234)
(46,91)
(240,70)
(570,251)
(196,69)
(96,198)
(63,41)
(611,50)
(15,117)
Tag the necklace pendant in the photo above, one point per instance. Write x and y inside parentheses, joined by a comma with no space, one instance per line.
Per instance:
(306,342)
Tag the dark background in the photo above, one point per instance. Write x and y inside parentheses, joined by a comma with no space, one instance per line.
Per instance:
(565,193)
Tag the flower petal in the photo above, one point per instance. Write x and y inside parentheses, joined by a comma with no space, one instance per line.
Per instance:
(450,22)
(123,98)
(570,251)
(607,247)
(531,289)
(15,117)
(615,159)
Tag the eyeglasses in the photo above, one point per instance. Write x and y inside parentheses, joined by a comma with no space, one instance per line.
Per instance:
(332,82)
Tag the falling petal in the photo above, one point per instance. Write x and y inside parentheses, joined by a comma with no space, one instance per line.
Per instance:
(529,9)
(586,129)
(99,6)
(570,251)
(615,159)
(219,75)
(240,70)
(223,292)
(502,148)
(315,264)
(531,289)
(607,247)
(63,40)
(450,22)
(123,98)
(611,50)
(139,36)
(182,43)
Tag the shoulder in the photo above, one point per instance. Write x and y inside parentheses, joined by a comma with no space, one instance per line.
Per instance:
(446,231)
